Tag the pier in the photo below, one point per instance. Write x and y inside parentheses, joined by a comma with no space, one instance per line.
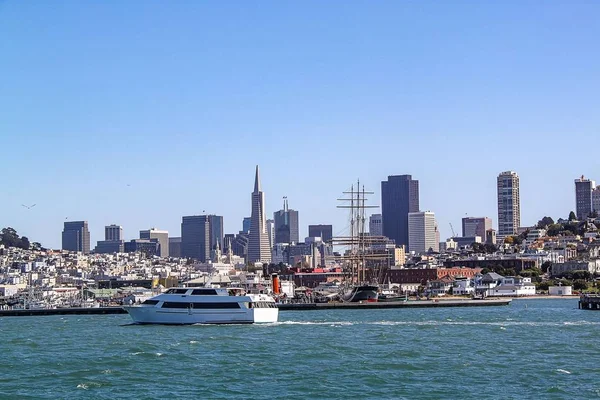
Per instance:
(283,307)
(589,302)
(396,304)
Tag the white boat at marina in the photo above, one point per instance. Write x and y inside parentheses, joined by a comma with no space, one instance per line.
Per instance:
(204,306)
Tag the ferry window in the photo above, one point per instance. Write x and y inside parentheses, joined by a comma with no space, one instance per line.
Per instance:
(177,291)
(151,302)
(172,304)
(216,305)
(204,292)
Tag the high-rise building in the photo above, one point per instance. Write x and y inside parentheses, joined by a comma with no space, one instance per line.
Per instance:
(246,224)
(195,237)
(258,242)
(113,232)
(376,225)
(149,247)
(286,225)
(325,232)
(423,232)
(476,226)
(399,197)
(583,197)
(163,239)
(113,241)
(509,204)
(76,236)
(271,232)
(596,200)
(175,247)
(215,231)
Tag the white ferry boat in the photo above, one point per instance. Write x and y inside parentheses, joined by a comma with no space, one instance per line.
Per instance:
(204,306)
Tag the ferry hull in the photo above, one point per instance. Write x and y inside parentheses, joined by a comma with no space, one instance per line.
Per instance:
(361,293)
(152,315)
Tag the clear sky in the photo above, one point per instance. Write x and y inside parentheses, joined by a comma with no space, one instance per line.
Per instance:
(139,112)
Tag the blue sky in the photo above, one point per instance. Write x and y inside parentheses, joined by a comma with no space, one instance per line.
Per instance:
(180,100)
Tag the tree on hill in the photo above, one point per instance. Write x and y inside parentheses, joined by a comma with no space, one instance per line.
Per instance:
(572,216)
(544,223)
(10,238)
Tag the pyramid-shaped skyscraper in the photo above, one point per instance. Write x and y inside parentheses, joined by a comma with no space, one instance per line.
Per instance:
(258,244)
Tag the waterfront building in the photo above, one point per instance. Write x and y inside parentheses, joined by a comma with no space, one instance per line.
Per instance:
(583,197)
(399,197)
(596,200)
(376,225)
(286,225)
(422,232)
(195,237)
(476,226)
(175,247)
(509,204)
(113,232)
(325,232)
(246,224)
(258,241)
(163,239)
(76,236)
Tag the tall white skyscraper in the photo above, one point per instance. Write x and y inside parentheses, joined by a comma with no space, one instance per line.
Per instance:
(422,232)
(376,225)
(271,233)
(258,243)
(509,204)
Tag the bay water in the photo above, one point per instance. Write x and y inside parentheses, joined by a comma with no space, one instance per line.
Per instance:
(531,349)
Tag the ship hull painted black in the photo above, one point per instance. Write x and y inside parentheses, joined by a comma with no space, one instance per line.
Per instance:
(361,293)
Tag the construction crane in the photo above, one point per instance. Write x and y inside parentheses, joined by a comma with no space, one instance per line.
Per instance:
(452,228)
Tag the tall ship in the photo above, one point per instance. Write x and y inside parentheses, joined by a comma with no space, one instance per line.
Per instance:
(205,305)
(359,260)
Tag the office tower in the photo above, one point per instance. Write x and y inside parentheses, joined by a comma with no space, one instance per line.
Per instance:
(215,231)
(271,233)
(163,239)
(258,241)
(399,196)
(149,247)
(325,232)
(195,237)
(476,226)
(596,200)
(76,236)
(113,232)
(509,204)
(175,247)
(376,225)
(239,246)
(583,197)
(422,232)
(286,225)
(246,224)
(227,241)
(490,236)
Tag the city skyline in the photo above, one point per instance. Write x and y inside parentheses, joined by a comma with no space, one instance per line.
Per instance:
(446,93)
(443,237)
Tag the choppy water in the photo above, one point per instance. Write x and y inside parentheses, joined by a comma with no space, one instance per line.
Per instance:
(531,349)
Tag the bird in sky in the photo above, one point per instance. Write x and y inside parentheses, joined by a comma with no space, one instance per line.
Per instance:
(28,207)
